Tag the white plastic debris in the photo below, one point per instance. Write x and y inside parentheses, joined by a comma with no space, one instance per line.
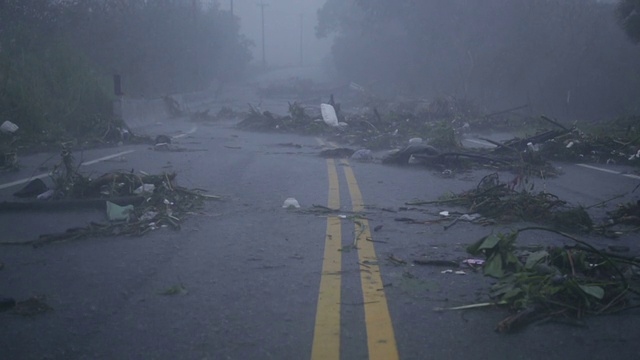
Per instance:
(329,115)
(145,188)
(291,203)
(470,217)
(356,87)
(635,156)
(149,215)
(362,155)
(570,144)
(444,213)
(8,127)
(46,195)
(473,261)
(533,147)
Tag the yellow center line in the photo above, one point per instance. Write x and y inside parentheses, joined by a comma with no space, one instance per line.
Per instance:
(326,335)
(381,339)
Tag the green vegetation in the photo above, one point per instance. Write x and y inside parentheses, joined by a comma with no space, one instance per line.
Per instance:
(57,59)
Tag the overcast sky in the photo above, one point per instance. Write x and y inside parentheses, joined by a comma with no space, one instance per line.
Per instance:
(282,30)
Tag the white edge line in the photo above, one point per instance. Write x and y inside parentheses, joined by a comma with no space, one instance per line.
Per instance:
(193,129)
(108,157)
(480,142)
(91,162)
(22,181)
(600,169)
(632,176)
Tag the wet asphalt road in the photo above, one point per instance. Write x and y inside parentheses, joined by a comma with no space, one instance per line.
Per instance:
(251,270)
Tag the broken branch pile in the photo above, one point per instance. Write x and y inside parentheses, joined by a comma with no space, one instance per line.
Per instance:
(495,199)
(136,203)
(557,283)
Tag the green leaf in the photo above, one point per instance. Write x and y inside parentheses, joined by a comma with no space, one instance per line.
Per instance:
(595,291)
(535,258)
(493,266)
(511,294)
(490,242)
(487,242)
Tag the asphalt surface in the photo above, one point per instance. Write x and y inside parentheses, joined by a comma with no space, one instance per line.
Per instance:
(251,270)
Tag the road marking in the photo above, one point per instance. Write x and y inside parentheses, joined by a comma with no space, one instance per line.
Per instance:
(40,176)
(22,181)
(480,142)
(381,339)
(631,176)
(105,158)
(193,129)
(326,335)
(599,169)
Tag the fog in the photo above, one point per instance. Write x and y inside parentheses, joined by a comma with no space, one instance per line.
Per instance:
(283,22)
(568,58)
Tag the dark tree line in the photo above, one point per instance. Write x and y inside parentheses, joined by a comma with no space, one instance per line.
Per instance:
(628,13)
(57,57)
(567,58)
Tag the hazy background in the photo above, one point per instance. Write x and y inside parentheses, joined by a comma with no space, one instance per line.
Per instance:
(282,30)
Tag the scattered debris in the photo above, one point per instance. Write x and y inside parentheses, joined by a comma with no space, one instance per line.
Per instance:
(362,155)
(32,306)
(8,127)
(7,304)
(119,213)
(8,160)
(396,260)
(178,289)
(33,188)
(337,153)
(446,263)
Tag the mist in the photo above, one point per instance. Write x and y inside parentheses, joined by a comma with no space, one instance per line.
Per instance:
(567,58)
(285,21)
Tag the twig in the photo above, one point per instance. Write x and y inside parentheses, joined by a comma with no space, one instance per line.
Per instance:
(555,123)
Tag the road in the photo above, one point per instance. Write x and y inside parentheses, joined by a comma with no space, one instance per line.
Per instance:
(263,282)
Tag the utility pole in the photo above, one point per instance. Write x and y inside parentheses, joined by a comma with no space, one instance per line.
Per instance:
(264,59)
(301,42)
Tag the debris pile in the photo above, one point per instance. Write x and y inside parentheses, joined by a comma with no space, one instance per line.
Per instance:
(135,203)
(298,121)
(557,283)
(501,201)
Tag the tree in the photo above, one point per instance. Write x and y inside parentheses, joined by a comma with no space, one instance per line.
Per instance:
(628,14)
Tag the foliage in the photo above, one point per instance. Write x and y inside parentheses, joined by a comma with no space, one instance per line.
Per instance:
(50,89)
(160,47)
(628,14)
(57,59)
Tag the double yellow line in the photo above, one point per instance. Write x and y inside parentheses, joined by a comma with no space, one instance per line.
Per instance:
(381,341)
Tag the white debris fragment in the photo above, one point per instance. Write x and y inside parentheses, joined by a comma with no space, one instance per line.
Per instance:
(329,115)
(291,203)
